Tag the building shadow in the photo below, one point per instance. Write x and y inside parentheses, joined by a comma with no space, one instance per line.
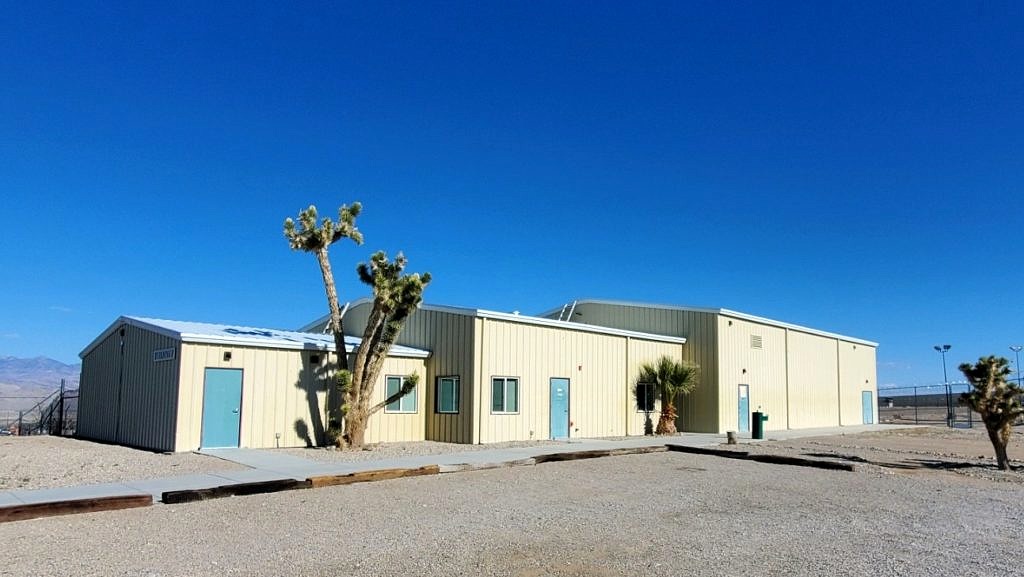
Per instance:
(914,464)
(314,379)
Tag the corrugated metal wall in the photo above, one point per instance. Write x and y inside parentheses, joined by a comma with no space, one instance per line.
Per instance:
(640,352)
(698,411)
(129,398)
(813,381)
(449,337)
(601,370)
(283,393)
(856,375)
(762,369)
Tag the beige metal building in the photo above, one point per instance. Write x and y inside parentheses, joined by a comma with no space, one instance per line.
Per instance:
(179,386)
(484,377)
(800,377)
(496,376)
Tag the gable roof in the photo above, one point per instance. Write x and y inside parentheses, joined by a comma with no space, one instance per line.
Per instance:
(192,332)
(518,318)
(723,312)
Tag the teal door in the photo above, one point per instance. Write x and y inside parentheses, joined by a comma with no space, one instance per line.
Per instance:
(559,408)
(744,415)
(222,399)
(869,407)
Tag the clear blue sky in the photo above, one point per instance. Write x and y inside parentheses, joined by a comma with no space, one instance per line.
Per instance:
(851,167)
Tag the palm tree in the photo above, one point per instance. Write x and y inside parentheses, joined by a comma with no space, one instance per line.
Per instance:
(670,378)
(995,399)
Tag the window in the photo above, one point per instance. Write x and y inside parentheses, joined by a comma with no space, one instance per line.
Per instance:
(406,404)
(447,395)
(645,397)
(505,395)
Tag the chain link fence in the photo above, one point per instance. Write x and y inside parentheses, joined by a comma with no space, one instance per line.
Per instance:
(926,405)
(55,414)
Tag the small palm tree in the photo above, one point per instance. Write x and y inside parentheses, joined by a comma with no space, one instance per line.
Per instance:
(670,378)
(995,399)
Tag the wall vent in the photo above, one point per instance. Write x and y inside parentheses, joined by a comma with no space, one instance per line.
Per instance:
(755,342)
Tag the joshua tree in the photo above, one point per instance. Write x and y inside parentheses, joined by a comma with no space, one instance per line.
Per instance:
(309,237)
(395,297)
(670,379)
(995,399)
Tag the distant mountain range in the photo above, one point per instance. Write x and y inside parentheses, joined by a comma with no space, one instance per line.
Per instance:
(23,382)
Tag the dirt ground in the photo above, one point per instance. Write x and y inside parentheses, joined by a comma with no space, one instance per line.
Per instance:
(963,452)
(660,514)
(44,462)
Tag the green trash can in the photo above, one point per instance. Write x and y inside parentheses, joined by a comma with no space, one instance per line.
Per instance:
(758,430)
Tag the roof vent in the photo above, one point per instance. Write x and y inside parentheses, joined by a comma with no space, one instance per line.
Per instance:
(756,342)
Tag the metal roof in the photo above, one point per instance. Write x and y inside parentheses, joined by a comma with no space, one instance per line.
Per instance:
(723,312)
(524,319)
(192,332)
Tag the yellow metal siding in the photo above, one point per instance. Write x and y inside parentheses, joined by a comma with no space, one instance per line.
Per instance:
(387,427)
(601,370)
(283,393)
(856,374)
(698,411)
(763,369)
(813,381)
(130,400)
(641,352)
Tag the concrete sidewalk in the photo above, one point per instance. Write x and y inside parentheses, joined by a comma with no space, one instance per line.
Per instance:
(270,465)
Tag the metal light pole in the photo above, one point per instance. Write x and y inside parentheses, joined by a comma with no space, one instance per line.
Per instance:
(943,349)
(1016,353)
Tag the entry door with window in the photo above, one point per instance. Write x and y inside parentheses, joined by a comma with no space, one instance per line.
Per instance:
(559,408)
(222,402)
(744,413)
(868,402)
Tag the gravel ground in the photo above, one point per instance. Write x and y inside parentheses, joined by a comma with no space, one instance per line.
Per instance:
(42,462)
(964,452)
(656,514)
(382,451)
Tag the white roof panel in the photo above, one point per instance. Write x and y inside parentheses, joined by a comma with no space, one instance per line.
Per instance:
(193,332)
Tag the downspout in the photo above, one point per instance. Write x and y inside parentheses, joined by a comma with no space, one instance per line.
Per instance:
(839,386)
(480,385)
(120,386)
(788,425)
(627,386)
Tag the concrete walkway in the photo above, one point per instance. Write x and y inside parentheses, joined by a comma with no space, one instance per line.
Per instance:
(269,465)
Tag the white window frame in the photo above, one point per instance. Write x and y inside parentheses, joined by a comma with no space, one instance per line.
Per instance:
(457,392)
(504,394)
(401,382)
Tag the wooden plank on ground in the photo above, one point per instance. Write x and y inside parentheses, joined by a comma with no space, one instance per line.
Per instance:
(706,451)
(72,506)
(371,476)
(236,489)
(637,450)
(572,456)
(765,458)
